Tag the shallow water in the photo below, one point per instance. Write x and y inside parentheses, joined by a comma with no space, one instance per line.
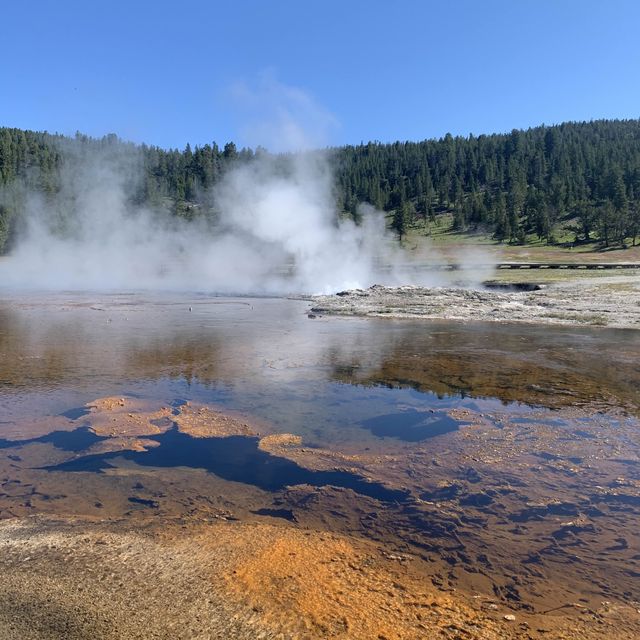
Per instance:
(475,442)
(324,378)
(334,381)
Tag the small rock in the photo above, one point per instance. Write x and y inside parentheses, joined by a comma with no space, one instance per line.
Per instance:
(510,617)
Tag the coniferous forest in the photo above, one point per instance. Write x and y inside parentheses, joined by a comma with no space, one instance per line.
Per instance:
(574,182)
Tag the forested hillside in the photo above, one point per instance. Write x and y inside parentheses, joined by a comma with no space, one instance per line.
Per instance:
(575,181)
(583,177)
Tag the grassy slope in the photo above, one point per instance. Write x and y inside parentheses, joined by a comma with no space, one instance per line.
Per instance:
(438,238)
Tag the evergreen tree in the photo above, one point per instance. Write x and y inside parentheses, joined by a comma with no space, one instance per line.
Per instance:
(399,222)
(583,177)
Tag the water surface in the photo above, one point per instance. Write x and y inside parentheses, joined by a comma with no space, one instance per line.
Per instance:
(474,445)
(322,378)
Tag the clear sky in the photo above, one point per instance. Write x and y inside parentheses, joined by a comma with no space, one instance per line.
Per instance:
(168,73)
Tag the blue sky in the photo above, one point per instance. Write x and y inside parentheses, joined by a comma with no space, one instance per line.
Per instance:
(168,73)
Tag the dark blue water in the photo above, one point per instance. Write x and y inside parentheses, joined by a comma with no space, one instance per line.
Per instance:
(235,458)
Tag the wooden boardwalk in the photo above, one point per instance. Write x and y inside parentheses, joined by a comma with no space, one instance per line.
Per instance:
(530,265)
(568,265)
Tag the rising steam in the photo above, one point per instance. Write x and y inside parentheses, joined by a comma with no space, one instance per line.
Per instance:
(276,231)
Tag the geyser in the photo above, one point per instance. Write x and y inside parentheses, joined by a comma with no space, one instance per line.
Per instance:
(276,229)
(276,232)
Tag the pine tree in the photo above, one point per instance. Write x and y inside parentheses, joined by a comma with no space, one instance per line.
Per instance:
(399,222)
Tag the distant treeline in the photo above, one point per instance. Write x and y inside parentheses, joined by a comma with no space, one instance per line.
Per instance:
(177,181)
(577,177)
(575,182)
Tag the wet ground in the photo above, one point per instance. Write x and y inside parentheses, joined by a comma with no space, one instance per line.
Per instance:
(499,463)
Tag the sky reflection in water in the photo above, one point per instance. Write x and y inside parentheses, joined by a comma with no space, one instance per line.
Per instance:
(327,379)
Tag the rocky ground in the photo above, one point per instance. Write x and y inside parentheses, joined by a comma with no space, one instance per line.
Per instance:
(612,301)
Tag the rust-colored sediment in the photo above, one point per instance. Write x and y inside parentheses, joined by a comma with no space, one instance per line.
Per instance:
(322,585)
(202,421)
(124,416)
(74,579)
(510,530)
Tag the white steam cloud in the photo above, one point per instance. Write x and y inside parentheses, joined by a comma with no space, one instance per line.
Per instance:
(275,234)
(276,231)
(280,117)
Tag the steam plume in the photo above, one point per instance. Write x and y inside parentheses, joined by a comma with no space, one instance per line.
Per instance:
(277,230)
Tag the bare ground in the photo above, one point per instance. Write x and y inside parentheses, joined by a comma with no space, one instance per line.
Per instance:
(607,301)
(69,579)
